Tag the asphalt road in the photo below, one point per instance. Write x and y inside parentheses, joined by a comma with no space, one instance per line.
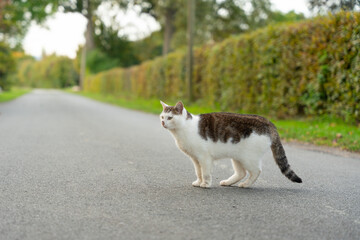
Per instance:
(74,168)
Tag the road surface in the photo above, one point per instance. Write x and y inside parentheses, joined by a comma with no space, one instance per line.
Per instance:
(74,168)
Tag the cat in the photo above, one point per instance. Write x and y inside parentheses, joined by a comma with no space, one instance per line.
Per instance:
(243,138)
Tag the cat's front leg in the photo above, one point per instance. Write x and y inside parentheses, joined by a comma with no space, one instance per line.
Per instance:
(206,167)
(197,167)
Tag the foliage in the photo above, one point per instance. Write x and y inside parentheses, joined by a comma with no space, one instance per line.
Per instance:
(16,16)
(149,47)
(311,67)
(50,72)
(97,61)
(118,49)
(215,20)
(277,17)
(7,65)
(333,6)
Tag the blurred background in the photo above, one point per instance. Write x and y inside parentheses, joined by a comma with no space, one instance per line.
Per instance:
(284,59)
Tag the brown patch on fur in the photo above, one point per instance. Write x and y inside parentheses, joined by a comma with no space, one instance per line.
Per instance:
(173,110)
(223,126)
(177,110)
(169,109)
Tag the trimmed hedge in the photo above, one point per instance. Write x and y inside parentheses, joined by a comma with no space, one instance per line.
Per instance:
(305,68)
(50,72)
(7,65)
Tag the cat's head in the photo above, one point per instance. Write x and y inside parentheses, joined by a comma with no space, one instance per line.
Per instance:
(173,117)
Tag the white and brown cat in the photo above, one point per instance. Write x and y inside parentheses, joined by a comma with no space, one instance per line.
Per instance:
(212,136)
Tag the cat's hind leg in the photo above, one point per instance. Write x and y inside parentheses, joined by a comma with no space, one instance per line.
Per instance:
(239,173)
(197,167)
(254,169)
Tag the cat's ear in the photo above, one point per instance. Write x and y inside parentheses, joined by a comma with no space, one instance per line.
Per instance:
(179,107)
(163,104)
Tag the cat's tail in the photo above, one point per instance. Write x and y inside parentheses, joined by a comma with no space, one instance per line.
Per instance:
(281,159)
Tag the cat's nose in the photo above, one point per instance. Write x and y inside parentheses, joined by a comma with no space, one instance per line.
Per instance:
(163,123)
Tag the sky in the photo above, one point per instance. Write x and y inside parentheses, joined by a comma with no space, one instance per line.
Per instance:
(64,32)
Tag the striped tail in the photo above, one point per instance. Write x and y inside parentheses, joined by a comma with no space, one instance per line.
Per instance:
(281,160)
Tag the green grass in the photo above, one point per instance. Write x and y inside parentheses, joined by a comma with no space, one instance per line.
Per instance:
(12,94)
(321,131)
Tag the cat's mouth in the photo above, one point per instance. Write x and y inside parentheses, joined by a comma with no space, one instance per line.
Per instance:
(163,124)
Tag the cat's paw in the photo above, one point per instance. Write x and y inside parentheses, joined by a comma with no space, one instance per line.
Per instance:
(244,185)
(205,185)
(224,183)
(196,183)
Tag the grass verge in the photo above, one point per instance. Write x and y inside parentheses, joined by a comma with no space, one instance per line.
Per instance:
(321,131)
(12,94)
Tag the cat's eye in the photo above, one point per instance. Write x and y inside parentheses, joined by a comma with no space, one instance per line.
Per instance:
(169,118)
(162,117)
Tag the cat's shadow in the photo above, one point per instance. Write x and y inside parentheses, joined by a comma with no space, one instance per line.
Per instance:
(256,190)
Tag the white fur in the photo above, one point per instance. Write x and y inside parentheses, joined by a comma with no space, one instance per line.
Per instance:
(246,155)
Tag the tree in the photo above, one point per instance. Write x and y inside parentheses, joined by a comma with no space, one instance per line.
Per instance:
(115,47)
(333,6)
(169,18)
(87,9)
(277,17)
(165,12)
(7,65)
(189,56)
(215,20)
(259,14)
(16,16)
(149,47)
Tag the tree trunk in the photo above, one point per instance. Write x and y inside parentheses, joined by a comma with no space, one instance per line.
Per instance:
(89,42)
(169,29)
(89,34)
(190,42)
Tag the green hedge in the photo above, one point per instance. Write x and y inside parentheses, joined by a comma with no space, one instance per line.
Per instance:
(50,72)
(305,68)
(7,65)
